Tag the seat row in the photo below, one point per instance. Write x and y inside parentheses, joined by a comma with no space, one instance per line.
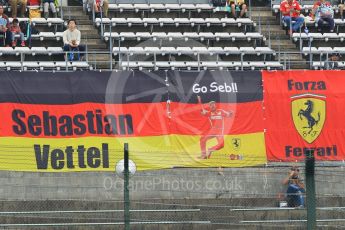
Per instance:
(175,21)
(309,22)
(45,35)
(318,36)
(189,65)
(306,8)
(162,7)
(193,50)
(185,36)
(41,21)
(33,50)
(323,50)
(322,65)
(48,35)
(44,65)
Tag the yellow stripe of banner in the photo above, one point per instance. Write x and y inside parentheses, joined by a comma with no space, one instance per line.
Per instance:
(102,154)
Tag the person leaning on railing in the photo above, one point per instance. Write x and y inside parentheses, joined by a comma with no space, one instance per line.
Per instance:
(71,38)
(324,15)
(291,10)
(295,190)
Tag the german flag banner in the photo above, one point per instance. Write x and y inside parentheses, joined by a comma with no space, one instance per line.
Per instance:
(304,110)
(65,122)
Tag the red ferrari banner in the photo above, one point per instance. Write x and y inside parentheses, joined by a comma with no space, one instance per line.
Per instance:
(302,110)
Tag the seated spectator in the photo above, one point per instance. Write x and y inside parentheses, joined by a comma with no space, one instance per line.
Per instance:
(15,29)
(238,6)
(14,7)
(332,61)
(324,15)
(46,5)
(5,27)
(290,10)
(101,5)
(71,38)
(295,190)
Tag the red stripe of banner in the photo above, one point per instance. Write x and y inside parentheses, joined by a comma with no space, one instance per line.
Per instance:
(94,119)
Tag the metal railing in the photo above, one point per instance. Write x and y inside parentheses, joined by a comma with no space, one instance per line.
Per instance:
(105,60)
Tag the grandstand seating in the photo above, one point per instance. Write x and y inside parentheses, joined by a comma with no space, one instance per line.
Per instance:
(45,48)
(212,38)
(184,36)
(210,32)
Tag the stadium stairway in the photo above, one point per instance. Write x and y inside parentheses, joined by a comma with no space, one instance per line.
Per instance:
(89,36)
(280,41)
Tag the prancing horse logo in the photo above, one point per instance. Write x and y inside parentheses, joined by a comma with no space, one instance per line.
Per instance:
(308,114)
(236,143)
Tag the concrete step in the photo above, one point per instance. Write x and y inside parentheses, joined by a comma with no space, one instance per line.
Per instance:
(72,14)
(282,42)
(264,19)
(89,27)
(84,21)
(97,47)
(88,32)
(78,18)
(262,13)
(94,41)
(72,8)
(273,33)
(261,8)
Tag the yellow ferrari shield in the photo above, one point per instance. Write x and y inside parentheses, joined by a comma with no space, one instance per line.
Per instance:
(309,114)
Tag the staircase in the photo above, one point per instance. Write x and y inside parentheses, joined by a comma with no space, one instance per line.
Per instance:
(90,37)
(277,38)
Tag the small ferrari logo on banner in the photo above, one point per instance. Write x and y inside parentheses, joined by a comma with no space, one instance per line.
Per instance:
(236,143)
(309,115)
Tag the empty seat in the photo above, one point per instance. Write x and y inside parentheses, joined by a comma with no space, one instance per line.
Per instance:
(200,50)
(38,50)
(151,50)
(184,50)
(54,50)
(118,21)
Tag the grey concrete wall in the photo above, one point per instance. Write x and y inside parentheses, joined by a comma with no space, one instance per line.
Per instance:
(162,184)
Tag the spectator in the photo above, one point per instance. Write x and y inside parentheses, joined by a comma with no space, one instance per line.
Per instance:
(71,38)
(14,7)
(341,7)
(324,15)
(238,5)
(295,190)
(332,61)
(5,27)
(46,5)
(15,29)
(101,5)
(290,10)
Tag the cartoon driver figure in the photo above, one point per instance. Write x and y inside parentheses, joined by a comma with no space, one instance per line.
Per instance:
(217,120)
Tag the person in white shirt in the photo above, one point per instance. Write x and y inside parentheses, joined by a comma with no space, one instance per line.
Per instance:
(71,38)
